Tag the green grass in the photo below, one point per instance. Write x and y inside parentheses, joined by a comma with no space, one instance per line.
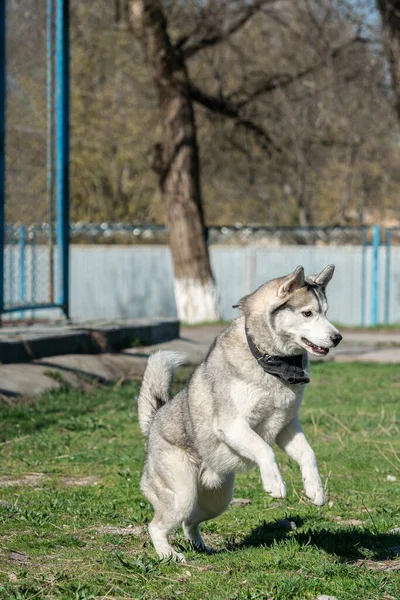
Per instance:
(62,540)
(382,327)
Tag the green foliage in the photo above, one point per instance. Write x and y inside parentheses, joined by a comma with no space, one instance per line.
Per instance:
(72,517)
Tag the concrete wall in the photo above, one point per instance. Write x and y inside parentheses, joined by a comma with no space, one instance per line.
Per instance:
(121,282)
(137,281)
(114,282)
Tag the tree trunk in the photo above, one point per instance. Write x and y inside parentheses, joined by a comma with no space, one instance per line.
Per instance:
(176,162)
(390,16)
(303,201)
(352,151)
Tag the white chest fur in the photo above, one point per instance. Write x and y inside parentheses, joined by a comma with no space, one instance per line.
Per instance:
(269,406)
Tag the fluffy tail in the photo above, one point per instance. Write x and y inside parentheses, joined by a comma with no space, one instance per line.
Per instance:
(156,385)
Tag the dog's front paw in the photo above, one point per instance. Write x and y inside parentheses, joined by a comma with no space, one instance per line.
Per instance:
(274,484)
(314,489)
(178,557)
(279,491)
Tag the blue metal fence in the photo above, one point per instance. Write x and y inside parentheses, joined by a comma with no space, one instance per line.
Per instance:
(19,277)
(62,148)
(28,265)
(391,234)
(29,283)
(2,142)
(376,240)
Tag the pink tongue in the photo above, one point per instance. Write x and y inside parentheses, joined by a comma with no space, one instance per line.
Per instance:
(316,348)
(319,348)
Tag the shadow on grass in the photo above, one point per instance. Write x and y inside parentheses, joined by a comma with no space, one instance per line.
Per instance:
(347,544)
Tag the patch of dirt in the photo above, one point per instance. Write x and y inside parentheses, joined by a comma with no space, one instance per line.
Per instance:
(200,567)
(132,530)
(275,505)
(353,522)
(76,480)
(17,557)
(383,565)
(30,479)
(240,502)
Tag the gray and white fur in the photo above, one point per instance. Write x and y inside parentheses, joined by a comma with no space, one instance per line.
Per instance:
(231,411)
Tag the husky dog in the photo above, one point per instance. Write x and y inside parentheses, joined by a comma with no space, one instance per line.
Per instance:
(241,399)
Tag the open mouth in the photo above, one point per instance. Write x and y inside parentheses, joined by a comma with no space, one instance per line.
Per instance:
(317,349)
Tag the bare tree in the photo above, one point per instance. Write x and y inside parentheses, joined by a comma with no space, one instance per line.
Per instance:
(308,87)
(176,158)
(176,162)
(289,104)
(390,17)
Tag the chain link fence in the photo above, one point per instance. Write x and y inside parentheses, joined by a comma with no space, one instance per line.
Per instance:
(122,233)
(367,261)
(35,221)
(29,267)
(392,276)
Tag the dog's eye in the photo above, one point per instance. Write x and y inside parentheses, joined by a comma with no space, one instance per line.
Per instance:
(307,313)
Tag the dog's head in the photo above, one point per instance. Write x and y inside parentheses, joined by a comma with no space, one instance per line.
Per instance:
(290,312)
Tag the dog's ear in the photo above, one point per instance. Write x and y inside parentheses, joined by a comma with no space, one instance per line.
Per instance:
(324,277)
(291,283)
(242,303)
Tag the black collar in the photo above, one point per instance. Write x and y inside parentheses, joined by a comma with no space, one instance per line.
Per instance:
(288,368)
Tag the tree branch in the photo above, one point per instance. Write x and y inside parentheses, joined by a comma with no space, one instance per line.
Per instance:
(232,110)
(285,79)
(229,110)
(191,43)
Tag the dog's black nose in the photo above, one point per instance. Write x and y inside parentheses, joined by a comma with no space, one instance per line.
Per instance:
(336,338)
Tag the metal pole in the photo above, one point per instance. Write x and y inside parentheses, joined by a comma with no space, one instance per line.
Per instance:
(50,140)
(21,244)
(363,273)
(11,264)
(62,149)
(375,274)
(2,145)
(34,268)
(387,273)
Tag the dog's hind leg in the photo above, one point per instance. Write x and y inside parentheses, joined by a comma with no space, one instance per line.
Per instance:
(172,492)
(159,531)
(210,504)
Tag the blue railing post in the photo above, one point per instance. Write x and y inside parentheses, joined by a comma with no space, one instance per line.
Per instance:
(21,267)
(376,238)
(363,273)
(50,138)
(33,268)
(387,274)
(2,145)
(62,149)
(10,229)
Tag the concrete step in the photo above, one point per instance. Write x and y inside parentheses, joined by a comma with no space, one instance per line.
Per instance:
(24,344)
